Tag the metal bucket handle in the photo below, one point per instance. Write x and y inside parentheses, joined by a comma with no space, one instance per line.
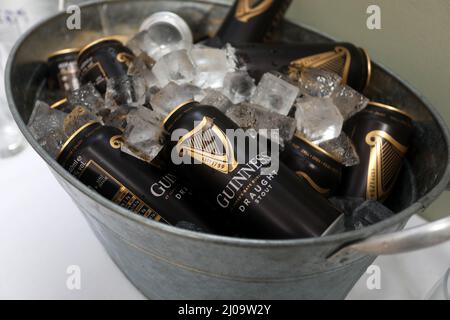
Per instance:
(416,238)
(412,239)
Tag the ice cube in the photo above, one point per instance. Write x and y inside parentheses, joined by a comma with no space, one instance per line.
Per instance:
(216,99)
(171,96)
(368,213)
(142,67)
(248,116)
(211,65)
(162,37)
(347,204)
(138,43)
(232,59)
(127,90)
(343,149)
(198,93)
(142,136)
(87,96)
(318,119)
(118,117)
(144,41)
(275,94)
(144,114)
(349,101)
(238,86)
(176,67)
(145,151)
(318,83)
(78,117)
(46,126)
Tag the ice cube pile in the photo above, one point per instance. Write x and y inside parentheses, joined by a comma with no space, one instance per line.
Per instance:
(163,76)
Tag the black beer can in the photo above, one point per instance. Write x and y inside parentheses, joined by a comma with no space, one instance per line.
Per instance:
(317,166)
(351,63)
(63,72)
(381,135)
(62,105)
(273,205)
(92,154)
(251,21)
(103,59)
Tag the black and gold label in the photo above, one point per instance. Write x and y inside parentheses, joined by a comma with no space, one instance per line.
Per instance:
(63,70)
(93,175)
(248,9)
(208,144)
(313,164)
(337,61)
(93,71)
(257,196)
(385,160)
(103,59)
(381,135)
(312,183)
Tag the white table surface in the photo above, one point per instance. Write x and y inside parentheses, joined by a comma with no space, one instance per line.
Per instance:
(42,233)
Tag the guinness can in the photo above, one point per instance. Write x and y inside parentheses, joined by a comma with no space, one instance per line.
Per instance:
(63,72)
(351,63)
(103,59)
(92,154)
(251,21)
(277,205)
(381,134)
(317,166)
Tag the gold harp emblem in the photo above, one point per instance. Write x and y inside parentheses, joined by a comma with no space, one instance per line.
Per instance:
(385,160)
(248,9)
(337,61)
(208,144)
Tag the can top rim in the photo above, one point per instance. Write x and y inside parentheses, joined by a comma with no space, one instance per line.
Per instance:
(117,38)
(369,67)
(318,148)
(72,136)
(170,114)
(62,52)
(391,108)
(58,103)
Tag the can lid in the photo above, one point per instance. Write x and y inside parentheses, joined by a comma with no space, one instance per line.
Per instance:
(117,38)
(391,108)
(58,103)
(315,146)
(369,67)
(72,136)
(62,52)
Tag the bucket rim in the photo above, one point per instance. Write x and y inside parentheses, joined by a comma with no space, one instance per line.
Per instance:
(346,237)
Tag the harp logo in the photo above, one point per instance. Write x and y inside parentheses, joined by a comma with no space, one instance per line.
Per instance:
(248,9)
(337,61)
(209,145)
(385,158)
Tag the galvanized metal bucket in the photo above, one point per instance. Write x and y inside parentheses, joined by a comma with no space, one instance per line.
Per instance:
(166,262)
